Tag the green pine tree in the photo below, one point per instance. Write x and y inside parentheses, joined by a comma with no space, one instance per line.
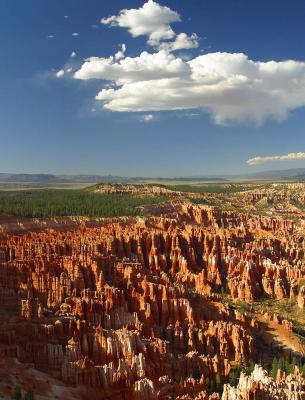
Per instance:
(275,367)
(17,395)
(29,395)
(217,383)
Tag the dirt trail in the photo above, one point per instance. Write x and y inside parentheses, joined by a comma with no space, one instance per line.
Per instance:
(276,334)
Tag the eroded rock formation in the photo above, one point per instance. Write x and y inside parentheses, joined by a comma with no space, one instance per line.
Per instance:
(260,386)
(134,306)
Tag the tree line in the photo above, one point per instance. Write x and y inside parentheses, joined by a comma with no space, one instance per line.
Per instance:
(59,203)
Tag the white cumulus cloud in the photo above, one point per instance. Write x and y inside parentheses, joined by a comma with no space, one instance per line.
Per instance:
(147,118)
(121,53)
(144,68)
(60,73)
(75,34)
(228,85)
(182,41)
(152,20)
(285,157)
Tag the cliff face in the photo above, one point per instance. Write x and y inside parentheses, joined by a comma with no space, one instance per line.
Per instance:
(133,306)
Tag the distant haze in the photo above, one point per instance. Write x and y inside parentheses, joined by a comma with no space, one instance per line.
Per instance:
(295,173)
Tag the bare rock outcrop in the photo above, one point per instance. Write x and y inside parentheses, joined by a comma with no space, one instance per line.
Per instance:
(261,387)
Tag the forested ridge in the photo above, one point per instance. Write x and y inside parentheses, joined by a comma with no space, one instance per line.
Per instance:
(58,203)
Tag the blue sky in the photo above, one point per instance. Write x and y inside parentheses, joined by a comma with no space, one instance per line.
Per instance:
(54,124)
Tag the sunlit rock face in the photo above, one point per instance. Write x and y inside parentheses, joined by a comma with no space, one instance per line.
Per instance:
(133,306)
(260,386)
(301,297)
